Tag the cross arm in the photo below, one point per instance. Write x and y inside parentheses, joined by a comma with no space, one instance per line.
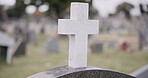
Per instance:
(67,26)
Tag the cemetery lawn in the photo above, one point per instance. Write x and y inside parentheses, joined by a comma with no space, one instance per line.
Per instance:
(36,60)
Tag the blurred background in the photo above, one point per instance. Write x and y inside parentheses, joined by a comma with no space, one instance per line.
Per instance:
(29,42)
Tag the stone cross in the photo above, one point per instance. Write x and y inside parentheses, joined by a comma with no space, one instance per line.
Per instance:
(78,27)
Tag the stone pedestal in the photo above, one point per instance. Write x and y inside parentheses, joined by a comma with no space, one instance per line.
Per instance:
(83,72)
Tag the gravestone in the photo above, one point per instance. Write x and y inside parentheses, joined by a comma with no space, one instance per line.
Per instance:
(141,73)
(97,47)
(6,46)
(21,48)
(22,37)
(51,45)
(78,36)
(112,44)
(77,66)
(83,72)
(31,35)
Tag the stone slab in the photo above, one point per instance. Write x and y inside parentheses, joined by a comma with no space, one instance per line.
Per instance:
(141,73)
(83,72)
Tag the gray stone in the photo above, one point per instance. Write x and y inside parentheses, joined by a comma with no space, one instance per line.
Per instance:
(141,73)
(84,72)
(21,48)
(31,36)
(6,44)
(51,45)
(111,44)
(97,47)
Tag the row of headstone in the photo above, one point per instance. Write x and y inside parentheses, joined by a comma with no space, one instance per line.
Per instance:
(77,62)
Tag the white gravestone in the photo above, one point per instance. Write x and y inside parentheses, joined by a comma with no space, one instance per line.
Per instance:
(78,27)
(7,41)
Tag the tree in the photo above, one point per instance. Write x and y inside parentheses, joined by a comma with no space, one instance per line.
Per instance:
(56,7)
(18,10)
(56,10)
(126,8)
(93,12)
(3,17)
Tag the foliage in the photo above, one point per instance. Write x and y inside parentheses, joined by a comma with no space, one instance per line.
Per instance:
(18,10)
(56,7)
(126,8)
(142,10)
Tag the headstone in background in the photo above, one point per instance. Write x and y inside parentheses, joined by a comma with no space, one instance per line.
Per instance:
(22,37)
(42,29)
(96,47)
(17,31)
(141,73)
(52,45)
(20,48)
(111,44)
(6,45)
(31,35)
(3,52)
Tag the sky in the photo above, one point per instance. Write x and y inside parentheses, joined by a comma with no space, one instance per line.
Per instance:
(103,6)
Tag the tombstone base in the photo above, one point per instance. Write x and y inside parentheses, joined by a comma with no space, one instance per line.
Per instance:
(84,72)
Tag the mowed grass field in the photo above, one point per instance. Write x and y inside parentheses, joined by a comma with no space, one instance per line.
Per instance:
(37,60)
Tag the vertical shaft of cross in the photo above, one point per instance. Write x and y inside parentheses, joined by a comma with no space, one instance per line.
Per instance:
(79,11)
(78,27)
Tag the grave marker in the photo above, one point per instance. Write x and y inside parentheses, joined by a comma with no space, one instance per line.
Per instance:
(6,45)
(78,27)
(77,67)
(52,45)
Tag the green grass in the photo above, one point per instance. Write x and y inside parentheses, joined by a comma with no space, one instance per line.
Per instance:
(36,60)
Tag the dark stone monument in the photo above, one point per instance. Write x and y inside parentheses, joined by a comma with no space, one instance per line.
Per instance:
(22,37)
(21,48)
(31,36)
(83,72)
(3,52)
(97,47)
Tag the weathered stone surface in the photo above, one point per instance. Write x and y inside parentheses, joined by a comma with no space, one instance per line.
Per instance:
(141,73)
(78,27)
(83,72)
